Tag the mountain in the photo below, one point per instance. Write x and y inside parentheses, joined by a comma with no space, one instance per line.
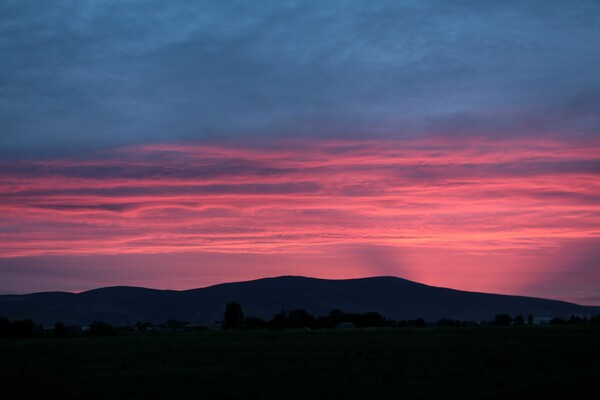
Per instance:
(393,297)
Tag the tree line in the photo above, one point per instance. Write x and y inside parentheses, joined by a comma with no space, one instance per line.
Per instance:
(233,318)
(299,318)
(28,328)
(506,320)
(21,328)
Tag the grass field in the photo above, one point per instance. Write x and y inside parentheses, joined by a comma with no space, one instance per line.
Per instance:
(484,363)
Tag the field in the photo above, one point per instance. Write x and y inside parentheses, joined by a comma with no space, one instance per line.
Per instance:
(489,362)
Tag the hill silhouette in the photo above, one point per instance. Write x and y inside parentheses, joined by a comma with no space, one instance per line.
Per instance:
(394,298)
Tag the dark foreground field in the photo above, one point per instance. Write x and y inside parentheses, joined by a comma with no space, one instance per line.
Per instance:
(503,363)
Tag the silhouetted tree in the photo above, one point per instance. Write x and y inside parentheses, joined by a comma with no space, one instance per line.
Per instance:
(300,319)
(4,327)
(419,323)
(330,320)
(502,320)
(451,322)
(280,320)
(518,320)
(556,321)
(336,316)
(60,329)
(530,319)
(23,328)
(174,324)
(233,317)
(370,319)
(99,328)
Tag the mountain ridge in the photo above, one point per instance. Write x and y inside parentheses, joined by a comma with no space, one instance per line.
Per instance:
(393,297)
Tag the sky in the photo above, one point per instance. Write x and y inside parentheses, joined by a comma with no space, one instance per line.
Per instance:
(182,144)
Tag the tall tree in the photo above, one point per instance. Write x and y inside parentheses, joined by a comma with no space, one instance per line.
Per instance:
(234,316)
(502,319)
(60,329)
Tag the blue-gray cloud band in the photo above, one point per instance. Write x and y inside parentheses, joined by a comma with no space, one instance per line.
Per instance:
(78,75)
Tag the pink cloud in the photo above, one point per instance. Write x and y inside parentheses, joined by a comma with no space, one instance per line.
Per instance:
(440,198)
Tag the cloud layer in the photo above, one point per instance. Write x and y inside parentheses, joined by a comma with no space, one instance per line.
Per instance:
(421,197)
(78,75)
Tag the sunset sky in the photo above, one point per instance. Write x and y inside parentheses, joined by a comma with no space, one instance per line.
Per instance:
(181,144)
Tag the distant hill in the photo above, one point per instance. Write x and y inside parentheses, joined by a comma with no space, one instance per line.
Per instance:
(393,297)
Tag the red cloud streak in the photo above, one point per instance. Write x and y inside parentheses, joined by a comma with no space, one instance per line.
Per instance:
(473,214)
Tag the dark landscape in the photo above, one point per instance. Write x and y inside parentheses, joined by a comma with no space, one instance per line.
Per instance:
(552,362)
(392,297)
(380,346)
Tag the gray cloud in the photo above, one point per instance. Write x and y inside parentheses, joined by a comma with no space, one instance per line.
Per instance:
(248,188)
(78,75)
